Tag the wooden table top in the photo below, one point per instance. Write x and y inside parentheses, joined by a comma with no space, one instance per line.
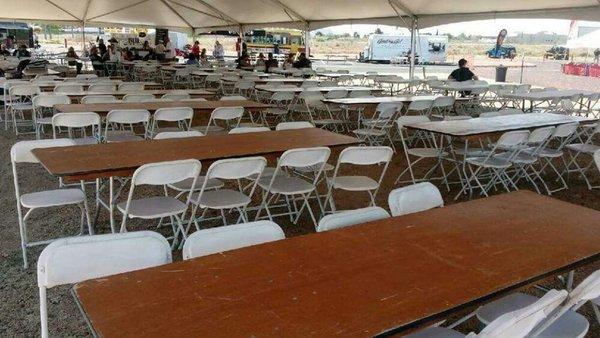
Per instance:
(108,159)
(479,126)
(104,108)
(395,275)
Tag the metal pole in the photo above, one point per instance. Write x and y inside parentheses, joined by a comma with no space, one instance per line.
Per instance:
(522,67)
(413,44)
(83,37)
(307,40)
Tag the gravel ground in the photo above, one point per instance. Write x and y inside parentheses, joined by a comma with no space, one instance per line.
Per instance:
(19,307)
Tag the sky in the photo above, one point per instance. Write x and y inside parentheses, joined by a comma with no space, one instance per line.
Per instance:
(482,27)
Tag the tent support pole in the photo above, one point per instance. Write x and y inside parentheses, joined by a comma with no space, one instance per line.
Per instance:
(307,40)
(413,46)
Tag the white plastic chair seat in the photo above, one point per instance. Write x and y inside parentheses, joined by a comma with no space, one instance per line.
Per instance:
(85,141)
(547,152)
(277,111)
(44,120)
(286,185)
(186,184)
(153,207)
(492,162)
(222,199)
(583,147)
(122,136)
(50,198)
(314,168)
(354,183)
(521,157)
(570,324)
(211,129)
(326,122)
(21,106)
(436,332)
(426,152)
(369,132)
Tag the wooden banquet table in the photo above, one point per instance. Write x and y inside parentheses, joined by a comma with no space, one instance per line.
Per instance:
(389,276)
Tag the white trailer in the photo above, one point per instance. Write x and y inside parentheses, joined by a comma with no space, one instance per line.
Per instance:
(396,49)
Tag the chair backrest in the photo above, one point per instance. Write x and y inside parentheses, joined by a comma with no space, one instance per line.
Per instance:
(138,98)
(366,155)
(244,130)
(177,134)
(227,113)
(130,87)
(236,168)
(351,217)
(443,101)
(68,88)
(565,130)
(402,120)
(127,116)
(540,135)
(102,88)
(48,101)
(76,120)
(293,125)
(24,90)
(224,238)
(597,158)
(233,98)
(420,105)
(20,152)
(512,138)
(75,259)
(176,96)
(162,173)
(282,96)
(174,114)
(98,99)
(304,157)
(386,110)
(519,323)
(336,94)
(414,198)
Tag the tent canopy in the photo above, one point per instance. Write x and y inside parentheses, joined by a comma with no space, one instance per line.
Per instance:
(202,15)
(590,40)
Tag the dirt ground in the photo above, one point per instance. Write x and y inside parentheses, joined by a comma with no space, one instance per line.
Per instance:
(18,292)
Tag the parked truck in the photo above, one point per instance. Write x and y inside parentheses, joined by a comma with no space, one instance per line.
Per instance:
(383,48)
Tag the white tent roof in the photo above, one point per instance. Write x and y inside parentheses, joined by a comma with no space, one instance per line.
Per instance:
(219,14)
(590,40)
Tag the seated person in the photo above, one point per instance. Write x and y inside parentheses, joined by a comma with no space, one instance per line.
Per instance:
(303,61)
(243,61)
(73,57)
(260,60)
(271,62)
(22,52)
(191,60)
(463,73)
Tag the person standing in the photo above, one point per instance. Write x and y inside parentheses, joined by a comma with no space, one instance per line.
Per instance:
(159,51)
(218,51)
(169,49)
(238,47)
(102,47)
(196,49)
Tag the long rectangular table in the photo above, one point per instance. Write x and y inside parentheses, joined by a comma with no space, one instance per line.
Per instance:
(538,98)
(381,99)
(156,92)
(387,276)
(313,89)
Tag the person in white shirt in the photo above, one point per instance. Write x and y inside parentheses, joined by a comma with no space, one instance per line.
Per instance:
(159,51)
(218,51)
(169,50)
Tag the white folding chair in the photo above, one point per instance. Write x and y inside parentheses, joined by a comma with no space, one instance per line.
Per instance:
(177,134)
(78,121)
(120,125)
(431,151)
(101,88)
(44,110)
(6,97)
(244,130)
(419,107)
(293,125)
(576,150)
(320,114)
(69,88)
(182,116)
(230,116)
(130,87)
(347,218)
(282,102)
(160,174)
(375,131)
(72,260)
(442,106)
(414,198)
(359,156)
(248,168)
(21,153)
(139,98)
(214,240)
(176,96)
(293,187)
(516,324)
(20,100)
(98,99)
(564,323)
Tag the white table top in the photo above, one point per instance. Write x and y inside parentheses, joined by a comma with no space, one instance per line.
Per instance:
(479,126)
(546,95)
(460,86)
(311,89)
(382,99)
